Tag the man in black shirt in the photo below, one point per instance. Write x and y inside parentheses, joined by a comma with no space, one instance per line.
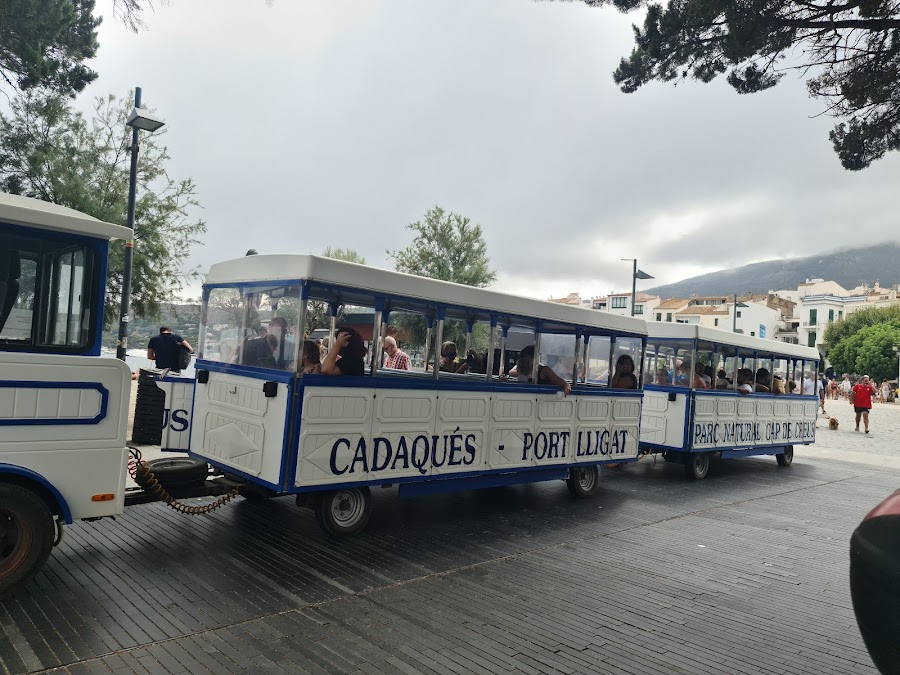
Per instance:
(163,348)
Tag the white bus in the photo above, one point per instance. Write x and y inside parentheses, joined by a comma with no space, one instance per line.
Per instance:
(329,439)
(710,391)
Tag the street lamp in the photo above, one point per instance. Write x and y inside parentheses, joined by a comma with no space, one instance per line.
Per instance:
(635,275)
(139,119)
(737,303)
(897,352)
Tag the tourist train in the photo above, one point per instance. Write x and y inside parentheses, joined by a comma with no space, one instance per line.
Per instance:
(540,391)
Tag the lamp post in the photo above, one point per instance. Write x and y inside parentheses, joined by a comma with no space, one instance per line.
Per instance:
(138,119)
(897,352)
(737,303)
(635,275)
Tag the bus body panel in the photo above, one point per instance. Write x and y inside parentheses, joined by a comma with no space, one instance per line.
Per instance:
(64,418)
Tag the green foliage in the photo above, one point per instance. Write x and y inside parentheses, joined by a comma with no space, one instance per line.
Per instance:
(43,43)
(852,50)
(345,254)
(856,321)
(51,152)
(446,246)
(868,351)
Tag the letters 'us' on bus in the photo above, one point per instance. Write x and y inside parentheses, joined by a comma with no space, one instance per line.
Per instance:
(496,388)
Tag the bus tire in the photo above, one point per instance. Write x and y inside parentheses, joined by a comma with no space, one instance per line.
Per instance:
(344,512)
(583,481)
(26,536)
(696,465)
(785,458)
(175,472)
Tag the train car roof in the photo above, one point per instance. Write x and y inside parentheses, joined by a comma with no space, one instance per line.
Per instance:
(17,210)
(689,331)
(257,269)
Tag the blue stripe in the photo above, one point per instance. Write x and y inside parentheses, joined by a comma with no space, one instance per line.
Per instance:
(38,478)
(50,421)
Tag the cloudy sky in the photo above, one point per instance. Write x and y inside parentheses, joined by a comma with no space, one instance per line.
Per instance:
(320,123)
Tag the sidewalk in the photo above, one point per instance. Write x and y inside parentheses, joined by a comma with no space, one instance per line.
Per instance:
(877,448)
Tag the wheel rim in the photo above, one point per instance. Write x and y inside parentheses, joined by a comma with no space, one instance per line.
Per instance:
(700,463)
(586,479)
(347,507)
(15,541)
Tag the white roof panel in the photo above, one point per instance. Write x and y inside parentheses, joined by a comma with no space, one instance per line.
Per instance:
(690,331)
(30,212)
(266,268)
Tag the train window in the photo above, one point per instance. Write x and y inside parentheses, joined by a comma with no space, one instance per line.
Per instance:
(763,374)
(597,363)
(627,362)
(558,353)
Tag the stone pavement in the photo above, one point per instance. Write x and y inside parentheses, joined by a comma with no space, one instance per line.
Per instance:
(745,572)
(878,448)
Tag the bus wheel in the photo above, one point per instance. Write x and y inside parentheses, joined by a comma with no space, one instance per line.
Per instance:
(696,465)
(344,512)
(583,481)
(26,536)
(785,458)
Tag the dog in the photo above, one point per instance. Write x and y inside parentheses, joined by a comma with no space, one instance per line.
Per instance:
(833,423)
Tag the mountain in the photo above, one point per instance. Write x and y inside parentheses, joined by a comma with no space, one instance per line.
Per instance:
(849,267)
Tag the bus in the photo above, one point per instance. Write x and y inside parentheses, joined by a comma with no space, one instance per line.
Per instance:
(329,439)
(708,391)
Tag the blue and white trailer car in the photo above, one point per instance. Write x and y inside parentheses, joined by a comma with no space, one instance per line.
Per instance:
(710,391)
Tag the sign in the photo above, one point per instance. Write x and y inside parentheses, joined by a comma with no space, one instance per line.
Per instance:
(762,331)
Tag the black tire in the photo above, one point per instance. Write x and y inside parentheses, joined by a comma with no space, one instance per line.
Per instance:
(344,512)
(26,536)
(696,465)
(175,471)
(785,458)
(583,481)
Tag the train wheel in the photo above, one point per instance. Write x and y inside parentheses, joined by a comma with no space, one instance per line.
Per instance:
(696,465)
(583,481)
(785,458)
(344,512)
(26,536)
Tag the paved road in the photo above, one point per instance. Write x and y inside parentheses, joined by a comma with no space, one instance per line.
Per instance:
(745,572)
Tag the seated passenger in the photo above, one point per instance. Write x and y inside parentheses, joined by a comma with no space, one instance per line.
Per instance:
(310,359)
(744,384)
(347,355)
(260,352)
(722,381)
(284,354)
(624,377)
(777,385)
(699,382)
(762,381)
(449,363)
(682,374)
(546,375)
(792,387)
(662,376)
(708,376)
(396,358)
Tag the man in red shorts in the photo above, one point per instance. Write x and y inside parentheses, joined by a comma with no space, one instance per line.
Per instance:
(861,400)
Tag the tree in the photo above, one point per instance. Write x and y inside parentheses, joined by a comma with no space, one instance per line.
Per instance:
(51,152)
(446,246)
(346,254)
(869,351)
(851,48)
(853,323)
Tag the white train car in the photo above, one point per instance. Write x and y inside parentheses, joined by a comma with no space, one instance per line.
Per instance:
(711,391)
(329,439)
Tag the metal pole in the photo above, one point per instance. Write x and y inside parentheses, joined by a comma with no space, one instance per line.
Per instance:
(734,311)
(633,286)
(125,308)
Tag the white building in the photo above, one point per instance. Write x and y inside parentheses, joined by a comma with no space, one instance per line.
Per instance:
(620,303)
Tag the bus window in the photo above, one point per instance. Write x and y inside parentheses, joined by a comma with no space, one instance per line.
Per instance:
(704,369)
(763,373)
(653,369)
(558,353)
(597,362)
(627,361)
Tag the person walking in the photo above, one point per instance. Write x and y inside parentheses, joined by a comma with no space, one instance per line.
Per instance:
(846,386)
(885,391)
(861,400)
(822,387)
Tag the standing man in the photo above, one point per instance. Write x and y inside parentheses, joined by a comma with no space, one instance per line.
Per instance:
(822,387)
(861,400)
(396,358)
(163,349)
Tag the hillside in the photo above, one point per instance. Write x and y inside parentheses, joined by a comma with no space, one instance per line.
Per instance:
(849,267)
